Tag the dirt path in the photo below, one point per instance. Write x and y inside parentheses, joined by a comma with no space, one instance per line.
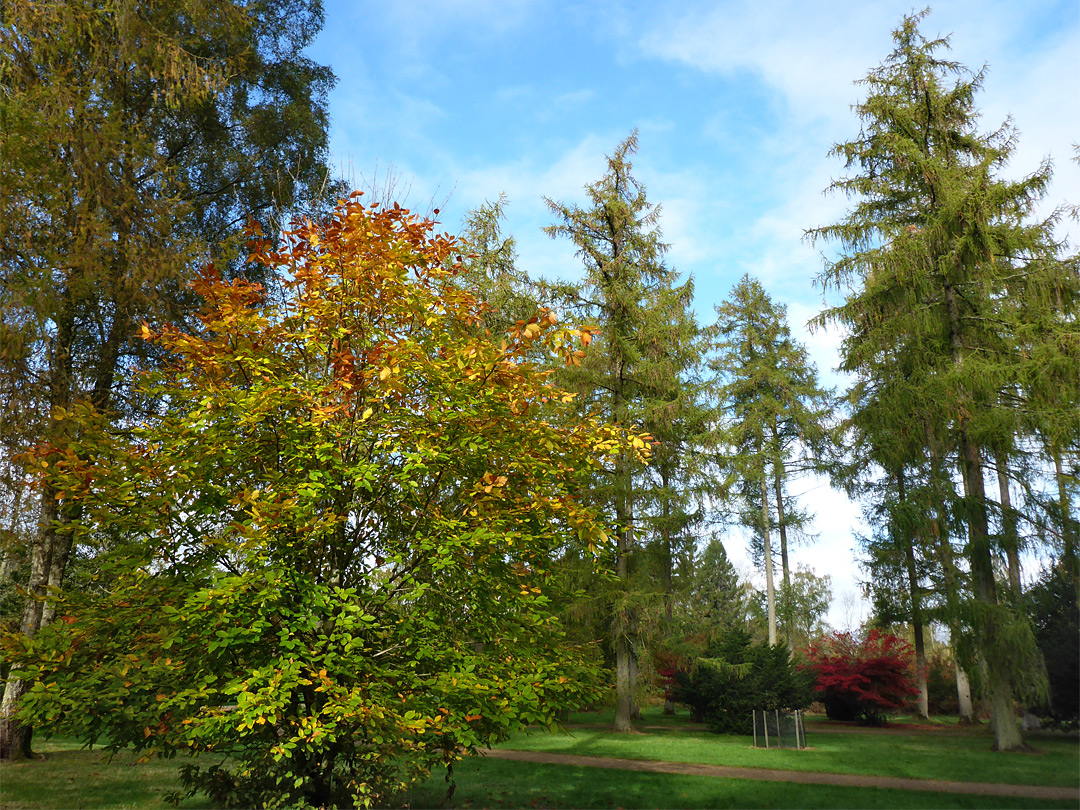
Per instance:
(801,777)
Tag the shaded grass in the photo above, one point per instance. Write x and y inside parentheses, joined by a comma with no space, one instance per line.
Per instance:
(74,777)
(499,783)
(68,776)
(961,758)
(650,717)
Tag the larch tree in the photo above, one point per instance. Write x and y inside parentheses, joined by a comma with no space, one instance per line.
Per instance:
(490,268)
(633,299)
(936,232)
(136,138)
(775,418)
(676,414)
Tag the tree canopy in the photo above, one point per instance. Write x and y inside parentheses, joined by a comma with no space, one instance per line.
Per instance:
(936,251)
(328,557)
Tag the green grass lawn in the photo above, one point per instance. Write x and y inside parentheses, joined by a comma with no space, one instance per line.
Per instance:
(71,777)
(964,758)
(498,783)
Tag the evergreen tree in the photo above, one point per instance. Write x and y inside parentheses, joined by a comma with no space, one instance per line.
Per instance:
(715,601)
(630,373)
(775,418)
(933,250)
(490,269)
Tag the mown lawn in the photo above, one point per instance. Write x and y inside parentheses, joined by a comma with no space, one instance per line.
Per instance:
(501,784)
(959,757)
(70,777)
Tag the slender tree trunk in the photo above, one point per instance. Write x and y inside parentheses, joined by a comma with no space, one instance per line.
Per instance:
(920,669)
(908,543)
(963,683)
(624,668)
(668,562)
(635,710)
(940,528)
(785,569)
(1010,539)
(917,628)
(14,736)
(999,692)
(963,694)
(770,590)
(624,686)
(1068,526)
(665,537)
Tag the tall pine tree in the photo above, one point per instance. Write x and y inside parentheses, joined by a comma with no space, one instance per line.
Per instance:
(632,372)
(940,237)
(775,419)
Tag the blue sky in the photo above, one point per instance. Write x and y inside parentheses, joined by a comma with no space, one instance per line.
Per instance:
(737,105)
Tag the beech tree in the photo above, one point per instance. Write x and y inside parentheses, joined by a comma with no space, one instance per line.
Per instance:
(135,137)
(341,526)
(948,244)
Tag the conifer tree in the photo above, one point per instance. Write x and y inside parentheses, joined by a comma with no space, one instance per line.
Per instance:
(633,299)
(491,271)
(932,250)
(715,602)
(775,418)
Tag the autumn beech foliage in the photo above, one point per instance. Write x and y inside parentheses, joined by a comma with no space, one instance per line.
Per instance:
(868,676)
(326,562)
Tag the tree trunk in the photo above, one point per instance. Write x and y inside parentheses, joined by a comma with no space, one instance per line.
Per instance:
(963,694)
(665,537)
(940,528)
(785,570)
(14,736)
(624,668)
(963,685)
(770,590)
(999,692)
(920,671)
(624,687)
(916,603)
(1068,526)
(1010,539)
(668,563)
(635,710)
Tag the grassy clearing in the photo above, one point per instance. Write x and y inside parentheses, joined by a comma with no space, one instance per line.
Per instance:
(72,777)
(961,758)
(497,783)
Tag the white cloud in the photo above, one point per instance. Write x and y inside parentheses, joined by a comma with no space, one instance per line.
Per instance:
(739,169)
(809,52)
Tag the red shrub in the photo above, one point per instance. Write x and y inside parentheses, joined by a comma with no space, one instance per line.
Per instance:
(865,678)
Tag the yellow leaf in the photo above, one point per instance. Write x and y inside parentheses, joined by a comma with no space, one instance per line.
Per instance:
(366,414)
(384,373)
